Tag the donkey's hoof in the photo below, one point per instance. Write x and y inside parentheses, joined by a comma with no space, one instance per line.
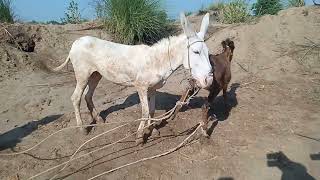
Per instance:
(212,118)
(99,119)
(139,141)
(83,131)
(155,133)
(158,123)
(147,131)
(140,138)
(204,133)
(91,129)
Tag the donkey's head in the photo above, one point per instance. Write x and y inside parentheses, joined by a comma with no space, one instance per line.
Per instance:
(196,55)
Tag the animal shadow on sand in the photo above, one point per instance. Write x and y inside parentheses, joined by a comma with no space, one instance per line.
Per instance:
(315,156)
(225,178)
(164,101)
(11,138)
(126,151)
(290,170)
(312,156)
(220,112)
(219,109)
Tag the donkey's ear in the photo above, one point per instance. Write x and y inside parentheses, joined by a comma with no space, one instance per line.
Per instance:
(204,26)
(186,25)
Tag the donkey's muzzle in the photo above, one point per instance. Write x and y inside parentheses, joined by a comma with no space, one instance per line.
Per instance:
(205,82)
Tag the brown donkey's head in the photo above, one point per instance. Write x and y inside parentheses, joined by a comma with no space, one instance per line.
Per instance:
(228,47)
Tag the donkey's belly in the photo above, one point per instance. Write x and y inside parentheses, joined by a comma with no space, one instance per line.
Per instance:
(118,77)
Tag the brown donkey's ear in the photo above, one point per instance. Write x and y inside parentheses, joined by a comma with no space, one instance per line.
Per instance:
(231,45)
(224,44)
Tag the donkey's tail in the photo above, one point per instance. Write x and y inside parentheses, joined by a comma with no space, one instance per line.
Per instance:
(62,65)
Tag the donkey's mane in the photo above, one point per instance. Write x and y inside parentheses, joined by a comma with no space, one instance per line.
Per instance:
(164,41)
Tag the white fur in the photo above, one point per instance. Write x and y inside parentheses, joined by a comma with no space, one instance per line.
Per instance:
(145,67)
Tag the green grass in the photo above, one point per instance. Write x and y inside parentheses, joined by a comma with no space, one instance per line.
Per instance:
(296,3)
(217,6)
(262,7)
(6,12)
(188,13)
(132,22)
(236,11)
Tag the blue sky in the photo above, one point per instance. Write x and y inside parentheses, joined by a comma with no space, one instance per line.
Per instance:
(45,10)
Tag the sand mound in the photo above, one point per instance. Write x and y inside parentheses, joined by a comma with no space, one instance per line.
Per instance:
(27,47)
(278,44)
(275,45)
(274,91)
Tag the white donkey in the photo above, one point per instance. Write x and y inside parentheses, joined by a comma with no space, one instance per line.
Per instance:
(145,67)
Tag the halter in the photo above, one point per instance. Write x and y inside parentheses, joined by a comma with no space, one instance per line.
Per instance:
(189,45)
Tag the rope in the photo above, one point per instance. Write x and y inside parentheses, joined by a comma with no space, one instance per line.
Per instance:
(73,127)
(72,158)
(149,158)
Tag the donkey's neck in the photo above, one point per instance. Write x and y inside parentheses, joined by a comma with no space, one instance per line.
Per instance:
(168,55)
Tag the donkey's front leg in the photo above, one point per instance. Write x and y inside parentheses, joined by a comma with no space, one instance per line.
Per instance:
(152,130)
(143,95)
(205,118)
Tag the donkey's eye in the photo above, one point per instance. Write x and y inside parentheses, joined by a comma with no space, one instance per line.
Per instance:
(197,52)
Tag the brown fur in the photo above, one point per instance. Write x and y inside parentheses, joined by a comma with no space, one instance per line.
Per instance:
(222,75)
(221,67)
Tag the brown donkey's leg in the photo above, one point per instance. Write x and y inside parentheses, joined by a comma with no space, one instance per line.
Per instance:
(205,118)
(225,96)
(214,90)
(213,94)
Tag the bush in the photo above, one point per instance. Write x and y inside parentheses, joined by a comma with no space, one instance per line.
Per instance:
(6,12)
(263,7)
(235,11)
(138,21)
(72,15)
(189,13)
(296,3)
(218,6)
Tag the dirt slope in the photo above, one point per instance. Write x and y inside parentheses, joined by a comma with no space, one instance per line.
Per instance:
(274,94)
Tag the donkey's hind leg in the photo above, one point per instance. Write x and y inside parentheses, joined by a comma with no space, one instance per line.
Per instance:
(92,84)
(225,98)
(82,79)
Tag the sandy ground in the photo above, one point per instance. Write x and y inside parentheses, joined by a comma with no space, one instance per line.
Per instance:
(274,95)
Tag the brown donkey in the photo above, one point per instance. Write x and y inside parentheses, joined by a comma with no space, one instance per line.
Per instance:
(222,75)
(222,72)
